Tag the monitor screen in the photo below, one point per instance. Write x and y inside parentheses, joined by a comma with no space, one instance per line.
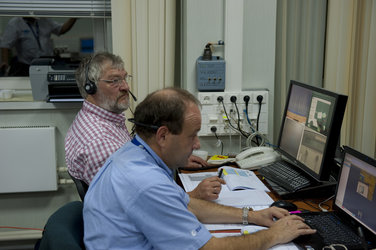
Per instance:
(356,188)
(311,127)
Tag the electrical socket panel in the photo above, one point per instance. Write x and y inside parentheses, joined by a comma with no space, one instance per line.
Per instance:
(224,116)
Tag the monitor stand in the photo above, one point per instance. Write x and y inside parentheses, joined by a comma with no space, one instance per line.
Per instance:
(319,189)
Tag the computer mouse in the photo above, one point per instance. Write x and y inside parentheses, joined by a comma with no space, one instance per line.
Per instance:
(285,204)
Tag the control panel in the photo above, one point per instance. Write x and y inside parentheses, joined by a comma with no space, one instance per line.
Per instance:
(211,74)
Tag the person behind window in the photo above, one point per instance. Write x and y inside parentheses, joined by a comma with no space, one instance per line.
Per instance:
(99,128)
(31,38)
(134,203)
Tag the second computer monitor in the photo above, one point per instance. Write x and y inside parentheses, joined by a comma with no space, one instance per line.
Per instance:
(311,128)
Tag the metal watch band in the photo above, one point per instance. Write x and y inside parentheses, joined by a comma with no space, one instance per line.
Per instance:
(245,215)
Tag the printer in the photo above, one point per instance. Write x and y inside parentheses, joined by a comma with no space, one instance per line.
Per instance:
(53,80)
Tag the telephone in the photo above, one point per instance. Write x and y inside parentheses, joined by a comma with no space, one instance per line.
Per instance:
(254,158)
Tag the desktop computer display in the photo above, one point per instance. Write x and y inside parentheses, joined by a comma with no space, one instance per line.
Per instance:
(311,128)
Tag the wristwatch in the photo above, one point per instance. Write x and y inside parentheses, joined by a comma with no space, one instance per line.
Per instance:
(245,215)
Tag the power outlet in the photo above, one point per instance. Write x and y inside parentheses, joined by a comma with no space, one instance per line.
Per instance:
(215,105)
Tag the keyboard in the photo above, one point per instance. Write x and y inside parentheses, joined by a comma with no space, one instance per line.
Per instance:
(331,229)
(283,175)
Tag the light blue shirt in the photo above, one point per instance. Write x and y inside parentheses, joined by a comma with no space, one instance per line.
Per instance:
(133,202)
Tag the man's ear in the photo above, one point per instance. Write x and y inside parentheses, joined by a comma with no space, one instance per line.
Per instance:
(161,135)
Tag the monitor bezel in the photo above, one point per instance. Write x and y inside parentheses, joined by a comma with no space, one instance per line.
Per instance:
(368,160)
(328,162)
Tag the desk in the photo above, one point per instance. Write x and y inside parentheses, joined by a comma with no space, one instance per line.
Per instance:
(306,204)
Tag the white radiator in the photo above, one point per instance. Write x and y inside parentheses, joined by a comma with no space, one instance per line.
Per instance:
(27,159)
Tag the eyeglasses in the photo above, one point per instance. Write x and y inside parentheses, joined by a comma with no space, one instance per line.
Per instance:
(117,81)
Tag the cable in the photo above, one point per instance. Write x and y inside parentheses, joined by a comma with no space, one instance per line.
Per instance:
(306,202)
(233,100)
(323,209)
(259,100)
(333,247)
(214,130)
(255,135)
(246,101)
(220,100)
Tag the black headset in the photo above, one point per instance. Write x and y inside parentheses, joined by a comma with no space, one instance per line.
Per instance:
(90,86)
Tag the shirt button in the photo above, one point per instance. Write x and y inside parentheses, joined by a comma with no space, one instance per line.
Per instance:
(193,232)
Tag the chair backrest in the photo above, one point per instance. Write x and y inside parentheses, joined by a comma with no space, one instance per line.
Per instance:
(81,186)
(64,229)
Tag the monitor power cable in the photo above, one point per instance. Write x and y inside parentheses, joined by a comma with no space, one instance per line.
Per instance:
(322,203)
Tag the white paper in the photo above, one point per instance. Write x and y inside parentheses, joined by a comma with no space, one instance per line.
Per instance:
(243,198)
(191,181)
(252,229)
(242,179)
(245,230)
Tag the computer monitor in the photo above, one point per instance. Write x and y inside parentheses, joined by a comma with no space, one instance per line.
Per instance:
(311,128)
(355,195)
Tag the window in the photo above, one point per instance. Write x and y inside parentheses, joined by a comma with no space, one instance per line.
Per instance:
(91,31)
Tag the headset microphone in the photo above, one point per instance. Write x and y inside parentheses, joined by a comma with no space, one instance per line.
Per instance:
(134,98)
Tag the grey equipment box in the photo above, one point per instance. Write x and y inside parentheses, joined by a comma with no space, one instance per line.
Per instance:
(53,80)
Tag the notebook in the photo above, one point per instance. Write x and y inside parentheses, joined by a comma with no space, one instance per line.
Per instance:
(354,205)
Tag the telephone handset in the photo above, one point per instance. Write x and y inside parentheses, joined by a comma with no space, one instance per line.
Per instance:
(254,158)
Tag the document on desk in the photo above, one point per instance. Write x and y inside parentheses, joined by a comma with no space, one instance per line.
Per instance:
(237,179)
(253,228)
(191,181)
(244,198)
(257,199)
(225,230)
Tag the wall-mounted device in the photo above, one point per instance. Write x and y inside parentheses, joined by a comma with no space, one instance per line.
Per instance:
(211,70)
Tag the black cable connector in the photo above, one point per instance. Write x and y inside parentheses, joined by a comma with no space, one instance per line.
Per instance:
(246,99)
(220,99)
(233,99)
(259,99)
(213,129)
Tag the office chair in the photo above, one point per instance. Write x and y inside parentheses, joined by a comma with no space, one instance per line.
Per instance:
(64,229)
(81,186)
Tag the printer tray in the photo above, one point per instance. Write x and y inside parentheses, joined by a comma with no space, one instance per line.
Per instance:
(64,92)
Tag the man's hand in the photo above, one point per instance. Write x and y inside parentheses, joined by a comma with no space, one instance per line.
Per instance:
(288,228)
(208,189)
(266,217)
(196,162)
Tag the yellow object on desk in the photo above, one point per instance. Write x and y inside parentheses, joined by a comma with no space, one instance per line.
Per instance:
(220,159)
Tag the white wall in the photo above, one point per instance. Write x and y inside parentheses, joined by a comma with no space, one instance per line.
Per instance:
(248,29)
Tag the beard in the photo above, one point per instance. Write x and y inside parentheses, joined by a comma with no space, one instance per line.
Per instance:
(117,105)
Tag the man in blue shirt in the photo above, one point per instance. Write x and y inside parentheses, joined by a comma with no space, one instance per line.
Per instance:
(134,203)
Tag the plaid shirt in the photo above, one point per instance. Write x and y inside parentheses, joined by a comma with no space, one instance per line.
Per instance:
(93,136)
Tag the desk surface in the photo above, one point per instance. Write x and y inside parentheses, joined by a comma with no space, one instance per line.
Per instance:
(308,204)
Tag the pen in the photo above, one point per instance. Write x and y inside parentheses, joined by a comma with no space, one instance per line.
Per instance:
(220,173)
(295,212)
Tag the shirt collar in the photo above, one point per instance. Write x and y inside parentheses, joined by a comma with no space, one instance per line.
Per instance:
(158,160)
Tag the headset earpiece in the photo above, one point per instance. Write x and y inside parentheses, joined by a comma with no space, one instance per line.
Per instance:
(90,86)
